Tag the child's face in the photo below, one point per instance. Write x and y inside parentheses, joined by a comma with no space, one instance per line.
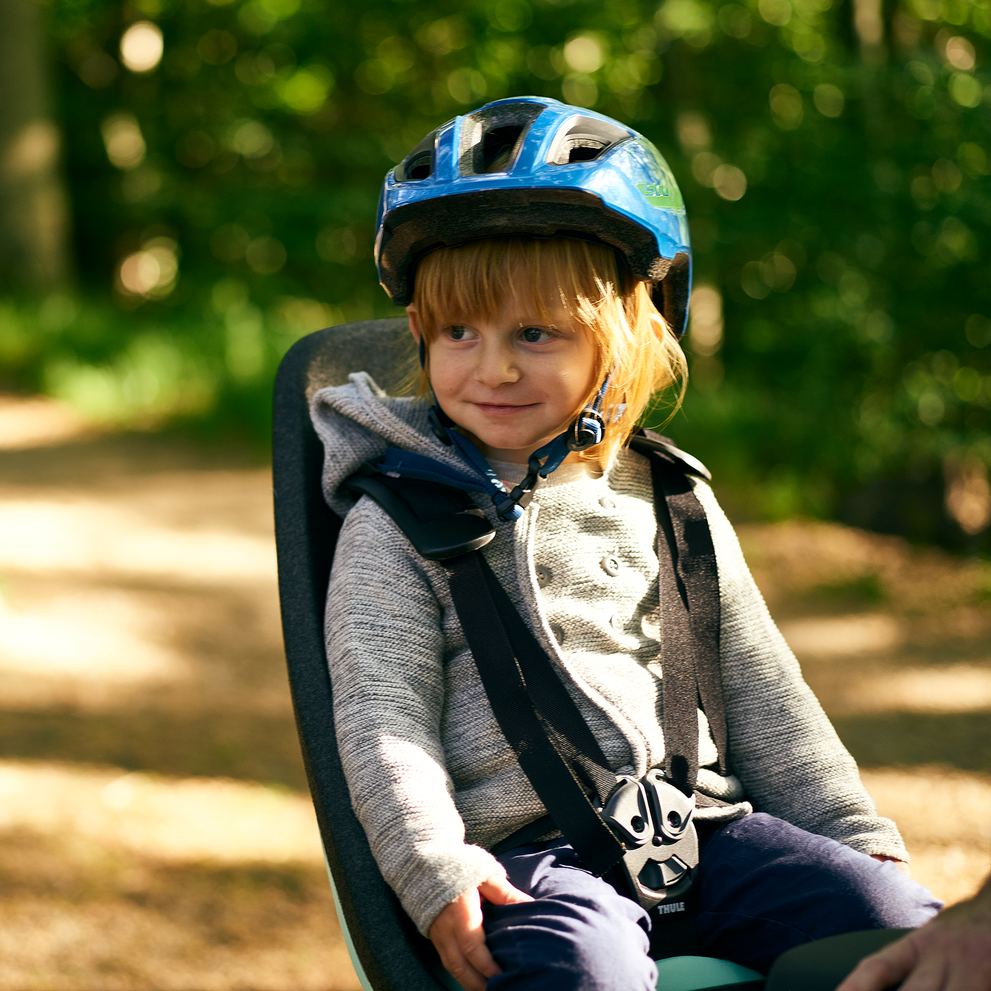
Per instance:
(512,383)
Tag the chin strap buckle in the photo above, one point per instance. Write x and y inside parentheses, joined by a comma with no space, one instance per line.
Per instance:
(587,430)
(589,427)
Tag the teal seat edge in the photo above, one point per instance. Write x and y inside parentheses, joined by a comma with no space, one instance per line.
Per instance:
(352,952)
(678,974)
(699,973)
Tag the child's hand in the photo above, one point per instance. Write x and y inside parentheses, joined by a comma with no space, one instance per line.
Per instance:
(900,864)
(458,936)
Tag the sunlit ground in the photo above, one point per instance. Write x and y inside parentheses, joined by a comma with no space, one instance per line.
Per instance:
(155,831)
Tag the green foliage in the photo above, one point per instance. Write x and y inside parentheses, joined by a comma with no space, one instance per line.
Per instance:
(861,592)
(834,157)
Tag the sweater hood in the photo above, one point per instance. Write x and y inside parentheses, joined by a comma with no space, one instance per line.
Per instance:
(358,421)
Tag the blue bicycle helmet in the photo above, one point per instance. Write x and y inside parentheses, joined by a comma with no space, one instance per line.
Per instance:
(534,166)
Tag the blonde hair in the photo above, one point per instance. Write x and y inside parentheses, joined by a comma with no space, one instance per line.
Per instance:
(634,345)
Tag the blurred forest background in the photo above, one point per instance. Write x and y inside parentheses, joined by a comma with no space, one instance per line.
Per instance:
(190,185)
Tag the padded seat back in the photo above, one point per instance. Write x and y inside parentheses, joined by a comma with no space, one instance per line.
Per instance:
(388,953)
(393,956)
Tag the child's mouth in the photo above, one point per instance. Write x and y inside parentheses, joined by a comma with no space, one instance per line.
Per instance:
(502,409)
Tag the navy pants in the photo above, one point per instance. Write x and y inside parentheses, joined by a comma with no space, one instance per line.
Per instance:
(764,886)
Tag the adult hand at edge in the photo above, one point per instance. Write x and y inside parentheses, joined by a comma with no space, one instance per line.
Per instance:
(951,952)
(459,938)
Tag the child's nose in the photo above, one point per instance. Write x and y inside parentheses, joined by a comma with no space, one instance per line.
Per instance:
(497,366)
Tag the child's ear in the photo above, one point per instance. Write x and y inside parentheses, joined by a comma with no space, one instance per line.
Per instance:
(414,322)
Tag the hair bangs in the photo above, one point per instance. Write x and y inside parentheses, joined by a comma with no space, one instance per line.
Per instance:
(474,280)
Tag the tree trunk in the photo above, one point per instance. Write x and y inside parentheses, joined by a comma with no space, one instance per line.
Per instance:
(33,214)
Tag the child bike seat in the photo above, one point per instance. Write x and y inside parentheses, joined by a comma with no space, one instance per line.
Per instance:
(387,952)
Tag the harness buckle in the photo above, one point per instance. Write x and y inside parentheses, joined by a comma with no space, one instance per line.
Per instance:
(654,821)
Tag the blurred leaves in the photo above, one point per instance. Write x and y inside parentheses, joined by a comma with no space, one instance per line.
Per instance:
(834,157)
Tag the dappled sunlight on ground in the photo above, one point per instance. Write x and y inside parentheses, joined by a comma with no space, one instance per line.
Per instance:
(64,646)
(842,635)
(895,640)
(141,675)
(955,688)
(155,829)
(114,537)
(82,911)
(35,421)
(166,819)
(134,880)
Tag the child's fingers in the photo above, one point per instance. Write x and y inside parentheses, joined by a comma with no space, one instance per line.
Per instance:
(451,945)
(477,953)
(499,891)
(471,935)
(460,968)
(900,864)
(458,935)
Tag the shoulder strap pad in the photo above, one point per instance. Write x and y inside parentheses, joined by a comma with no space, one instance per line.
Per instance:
(646,441)
(437,519)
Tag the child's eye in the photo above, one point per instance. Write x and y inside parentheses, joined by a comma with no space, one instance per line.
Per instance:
(534,335)
(458,332)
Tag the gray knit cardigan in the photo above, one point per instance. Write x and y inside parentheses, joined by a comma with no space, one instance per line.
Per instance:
(432,779)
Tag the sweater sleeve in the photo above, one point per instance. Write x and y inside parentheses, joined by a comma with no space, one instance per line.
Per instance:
(782,746)
(385,648)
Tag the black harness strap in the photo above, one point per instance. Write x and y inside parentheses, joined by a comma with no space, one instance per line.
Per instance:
(438,520)
(550,697)
(690,610)
(550,772)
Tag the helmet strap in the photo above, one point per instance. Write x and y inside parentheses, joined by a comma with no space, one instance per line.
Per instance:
(440,423)
(585,431)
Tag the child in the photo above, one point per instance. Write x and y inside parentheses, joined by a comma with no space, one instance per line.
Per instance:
(542,252)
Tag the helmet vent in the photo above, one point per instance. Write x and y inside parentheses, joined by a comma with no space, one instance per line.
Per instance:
(584,139)
(419,163)
(498,146)
(491,138)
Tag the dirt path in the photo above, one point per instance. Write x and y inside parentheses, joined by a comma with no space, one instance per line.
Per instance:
(154,826)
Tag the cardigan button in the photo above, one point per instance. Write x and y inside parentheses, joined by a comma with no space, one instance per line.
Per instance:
(610,565)
(544,575)
(618,623)
(606,503)
(558,633)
